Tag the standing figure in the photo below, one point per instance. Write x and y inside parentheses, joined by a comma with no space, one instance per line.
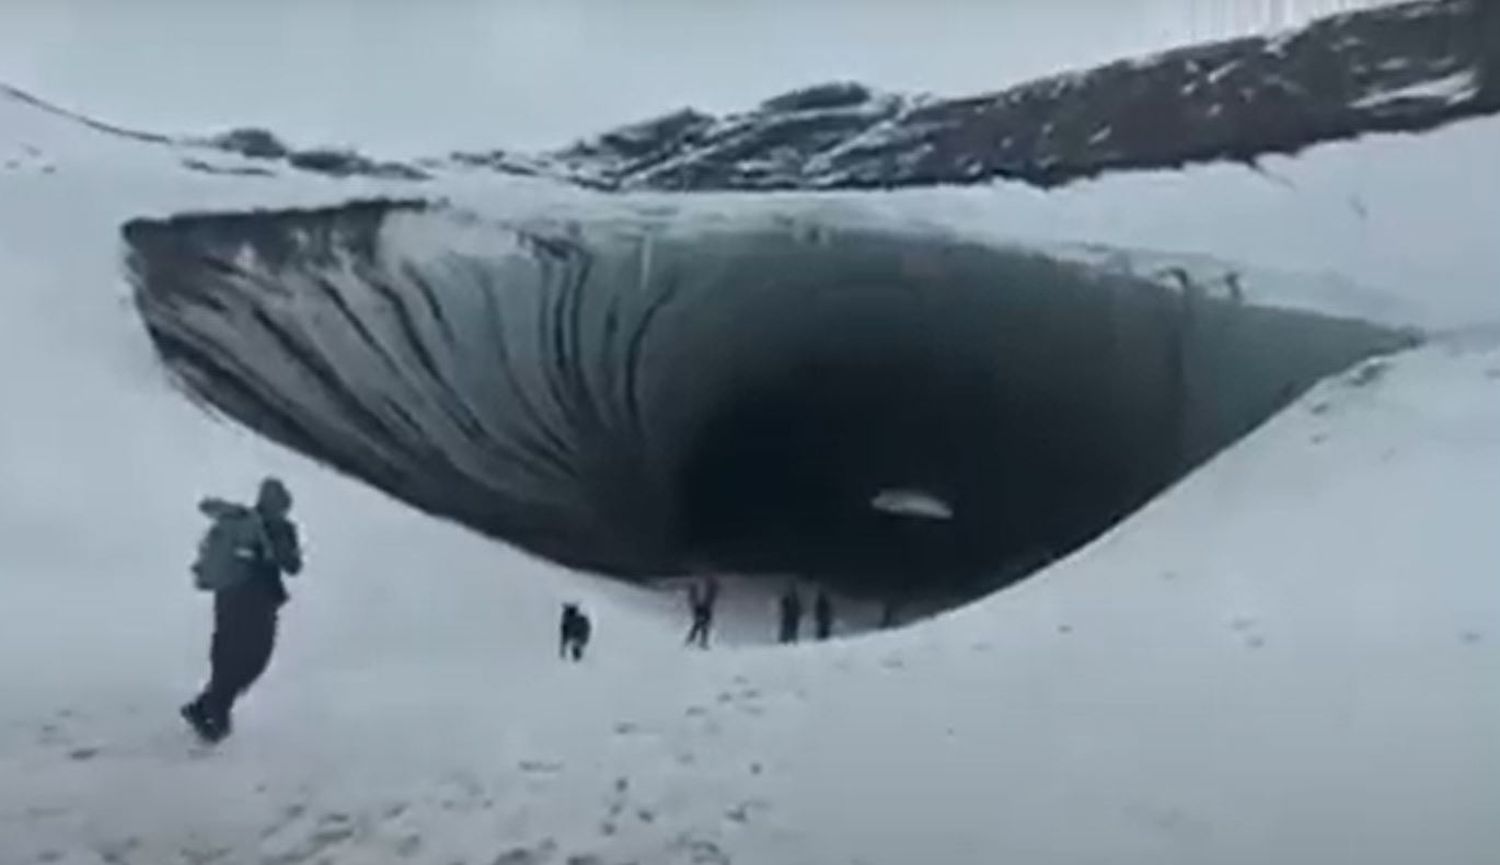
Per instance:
(575,630)
(702,597)
(823,615)
(791,614)
(241,560)
(890,612)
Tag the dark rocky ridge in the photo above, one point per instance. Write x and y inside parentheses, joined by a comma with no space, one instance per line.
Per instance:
(1407,67)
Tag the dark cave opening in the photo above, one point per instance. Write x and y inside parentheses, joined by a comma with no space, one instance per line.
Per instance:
(781,475)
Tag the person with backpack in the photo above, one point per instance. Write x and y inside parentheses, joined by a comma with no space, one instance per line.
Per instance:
(575,630)
(241,560)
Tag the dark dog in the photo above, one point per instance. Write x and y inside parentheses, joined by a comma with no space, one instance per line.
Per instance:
(575,629)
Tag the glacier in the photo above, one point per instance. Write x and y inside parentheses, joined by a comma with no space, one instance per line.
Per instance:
(650,396)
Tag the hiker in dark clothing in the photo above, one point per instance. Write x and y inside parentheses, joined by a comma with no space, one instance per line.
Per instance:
(791,614)
(245,609)
(574,629)
(823,615)
(890,613)
(702,597)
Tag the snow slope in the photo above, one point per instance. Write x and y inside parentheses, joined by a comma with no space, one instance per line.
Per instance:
(1289,657)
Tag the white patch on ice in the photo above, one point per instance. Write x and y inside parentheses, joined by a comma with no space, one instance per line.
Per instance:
(1451,88)
(912,503)
(1217,74)
(1278,43)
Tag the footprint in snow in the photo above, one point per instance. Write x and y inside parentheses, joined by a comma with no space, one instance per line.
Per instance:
(744,811)
(409,846)
(540,767)
(527,855)
(83,754)
(395,810)
(118,851)
(701,851)
(1471,638)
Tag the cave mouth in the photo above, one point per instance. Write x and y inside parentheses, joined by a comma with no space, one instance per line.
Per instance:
(641,398)
(782,476)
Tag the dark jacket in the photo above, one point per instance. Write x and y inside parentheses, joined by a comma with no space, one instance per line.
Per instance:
(282,556)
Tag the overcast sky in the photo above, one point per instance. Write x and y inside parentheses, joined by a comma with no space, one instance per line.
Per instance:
(405,77)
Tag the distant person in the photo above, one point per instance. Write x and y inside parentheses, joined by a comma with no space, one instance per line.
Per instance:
(890,612)
(702,598)
(791,614)
(575,630)
(241,559)
(823,615)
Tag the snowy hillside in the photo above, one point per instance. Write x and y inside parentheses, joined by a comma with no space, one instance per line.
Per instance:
(1290,656)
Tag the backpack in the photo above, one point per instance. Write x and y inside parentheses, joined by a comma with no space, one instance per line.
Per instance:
(230,550)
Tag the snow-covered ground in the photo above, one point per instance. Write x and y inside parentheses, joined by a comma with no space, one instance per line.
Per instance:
(1290,657)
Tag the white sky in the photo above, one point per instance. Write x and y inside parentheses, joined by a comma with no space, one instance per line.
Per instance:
(402,77)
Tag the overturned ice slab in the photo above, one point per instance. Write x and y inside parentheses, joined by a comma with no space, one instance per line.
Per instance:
(633,395)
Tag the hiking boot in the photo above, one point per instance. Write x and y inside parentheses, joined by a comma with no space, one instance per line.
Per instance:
(209,729)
